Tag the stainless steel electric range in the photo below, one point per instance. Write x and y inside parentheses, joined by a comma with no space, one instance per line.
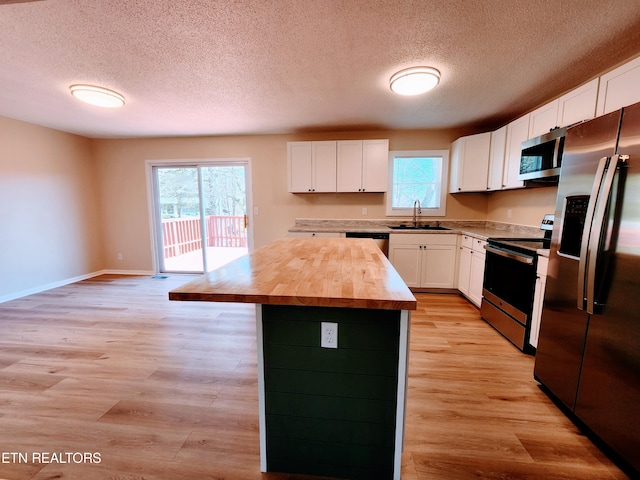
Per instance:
(509,284)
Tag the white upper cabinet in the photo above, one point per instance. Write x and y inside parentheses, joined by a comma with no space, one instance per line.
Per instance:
(578,105)
(574,106)
(311,166)
(470,163)
(375,165)
(496,159)
(517,132)
(543,119)
(362,165)
(619,87)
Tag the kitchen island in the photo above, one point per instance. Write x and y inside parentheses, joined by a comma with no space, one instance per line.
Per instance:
(332,321)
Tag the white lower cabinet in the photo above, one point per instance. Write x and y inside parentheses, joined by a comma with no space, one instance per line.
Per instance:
(538,299)
(424,260)
(471,268)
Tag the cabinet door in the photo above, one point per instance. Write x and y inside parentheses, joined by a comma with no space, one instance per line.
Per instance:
(517,132)
(579,104)
(476,277)
(324,166)
(375,165)
(405,258)
(464,270)
(470,163)
(349,166)
(538,300)
(438,266)
(475,162)
(299,160)
(619,87)
(496,158)
(543,119)
(457,150)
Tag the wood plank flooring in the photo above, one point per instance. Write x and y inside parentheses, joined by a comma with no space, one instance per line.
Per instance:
(168,390)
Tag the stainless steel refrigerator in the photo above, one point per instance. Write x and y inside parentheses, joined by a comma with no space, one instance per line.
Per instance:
(588,354)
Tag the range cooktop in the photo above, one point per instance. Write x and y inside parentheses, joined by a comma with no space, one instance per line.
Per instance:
(525,245)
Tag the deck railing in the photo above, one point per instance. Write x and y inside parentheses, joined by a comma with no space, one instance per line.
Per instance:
(183,235)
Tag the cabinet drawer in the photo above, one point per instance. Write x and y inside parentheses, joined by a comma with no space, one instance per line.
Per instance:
(467,241)
(478,245)
(423,239)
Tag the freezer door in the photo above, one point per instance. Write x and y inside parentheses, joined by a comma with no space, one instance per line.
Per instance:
(609,391)
(563,326)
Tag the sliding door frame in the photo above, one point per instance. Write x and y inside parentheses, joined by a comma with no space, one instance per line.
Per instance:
(155,225)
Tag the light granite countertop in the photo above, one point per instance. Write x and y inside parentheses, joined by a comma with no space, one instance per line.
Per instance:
(479,229)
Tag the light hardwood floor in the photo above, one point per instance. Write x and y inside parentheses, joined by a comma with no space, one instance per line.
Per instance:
(168,390)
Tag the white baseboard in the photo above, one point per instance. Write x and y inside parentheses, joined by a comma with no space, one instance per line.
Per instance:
(127,272)
(67,281)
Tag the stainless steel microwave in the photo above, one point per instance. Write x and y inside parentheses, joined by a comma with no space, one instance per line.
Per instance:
(541,157)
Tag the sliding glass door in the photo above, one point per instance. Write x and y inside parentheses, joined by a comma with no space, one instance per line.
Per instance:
(200,215)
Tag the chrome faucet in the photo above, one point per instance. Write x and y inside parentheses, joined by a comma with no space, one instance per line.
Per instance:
(416,212)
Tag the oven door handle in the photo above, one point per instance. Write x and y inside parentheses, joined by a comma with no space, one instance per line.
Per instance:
(513,256)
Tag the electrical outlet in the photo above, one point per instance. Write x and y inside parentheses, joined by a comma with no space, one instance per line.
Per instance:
(508,213)
(119,256)
(329,335)
(364,211)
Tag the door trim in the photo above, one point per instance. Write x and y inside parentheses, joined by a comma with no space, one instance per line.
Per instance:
(193,162)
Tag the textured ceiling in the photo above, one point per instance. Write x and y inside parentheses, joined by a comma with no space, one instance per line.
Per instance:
(205,67)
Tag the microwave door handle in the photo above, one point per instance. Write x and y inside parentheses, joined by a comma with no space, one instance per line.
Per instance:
(586,232)
(597,231)
(556,151)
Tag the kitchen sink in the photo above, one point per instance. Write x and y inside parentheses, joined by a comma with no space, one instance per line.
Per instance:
(418,227)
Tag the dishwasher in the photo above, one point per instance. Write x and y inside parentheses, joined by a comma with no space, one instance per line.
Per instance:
(381,239)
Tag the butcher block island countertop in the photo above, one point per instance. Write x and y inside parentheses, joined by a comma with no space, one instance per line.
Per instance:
(332,326)
(350,273)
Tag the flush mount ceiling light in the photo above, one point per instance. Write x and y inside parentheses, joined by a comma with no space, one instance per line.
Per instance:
(98,96)
(414,81)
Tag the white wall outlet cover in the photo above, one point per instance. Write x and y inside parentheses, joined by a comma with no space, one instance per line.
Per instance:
(329,335)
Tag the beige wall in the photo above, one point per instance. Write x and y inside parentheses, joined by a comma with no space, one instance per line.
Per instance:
(527,206)
(71,205)
(49,218)
(123,186)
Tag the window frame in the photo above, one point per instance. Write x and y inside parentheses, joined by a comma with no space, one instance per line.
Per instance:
(426,212)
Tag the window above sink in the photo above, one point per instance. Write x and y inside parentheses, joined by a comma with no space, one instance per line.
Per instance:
(417,175)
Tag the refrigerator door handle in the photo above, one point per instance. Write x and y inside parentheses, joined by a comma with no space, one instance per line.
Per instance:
(586,233)
(597,229)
